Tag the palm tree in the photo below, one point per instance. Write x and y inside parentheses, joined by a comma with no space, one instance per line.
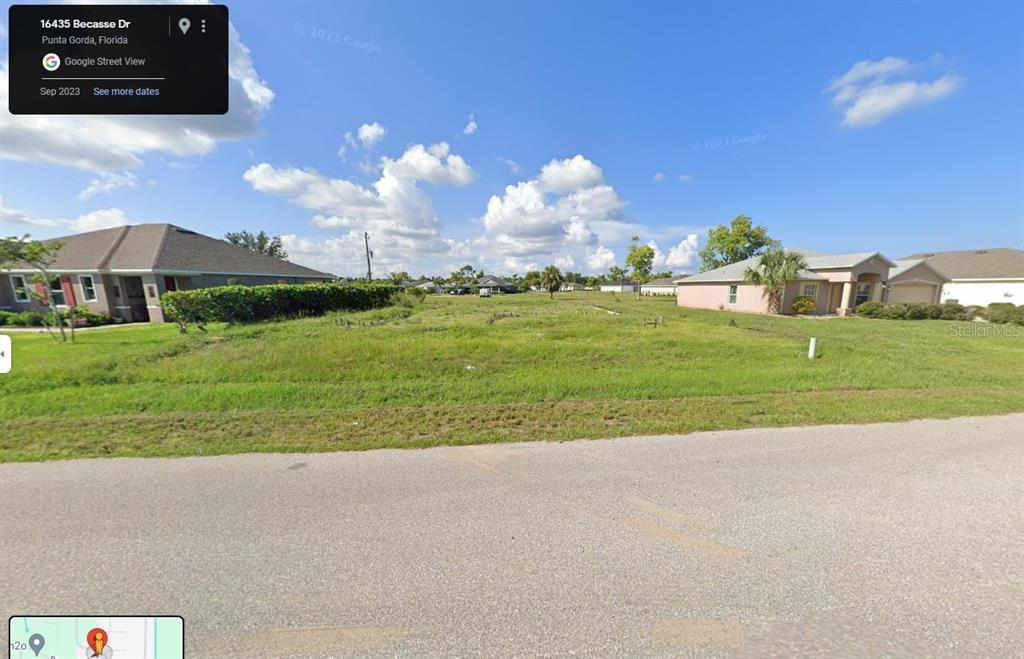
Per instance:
(551,280)
(774,268)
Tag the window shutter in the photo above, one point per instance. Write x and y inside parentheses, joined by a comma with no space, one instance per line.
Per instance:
(69,290)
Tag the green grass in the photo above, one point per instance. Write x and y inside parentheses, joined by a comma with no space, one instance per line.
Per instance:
(469,370)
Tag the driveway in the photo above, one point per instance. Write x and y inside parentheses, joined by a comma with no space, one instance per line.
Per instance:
(891,539)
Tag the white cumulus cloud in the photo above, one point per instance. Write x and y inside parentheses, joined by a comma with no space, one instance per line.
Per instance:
(372,134)
(867,93)
(600,259)
(659,177)
(398,214)
(684,254)
(544,215)
(104,218)
(571,174)
(470,126)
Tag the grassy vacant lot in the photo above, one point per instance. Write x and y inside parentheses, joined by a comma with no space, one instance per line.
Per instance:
(467,370)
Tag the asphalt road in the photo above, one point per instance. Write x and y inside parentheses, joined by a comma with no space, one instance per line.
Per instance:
(896,540)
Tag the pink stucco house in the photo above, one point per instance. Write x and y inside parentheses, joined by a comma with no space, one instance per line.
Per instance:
(837,283)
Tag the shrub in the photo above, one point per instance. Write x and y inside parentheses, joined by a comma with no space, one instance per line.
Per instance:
(996,308)
(1004,312)
(30,319)
(954,312)
(250,304)
(804,304)
(4,316)
(894,311)
(870,309)
(916,311)
(973,311)
(84,316)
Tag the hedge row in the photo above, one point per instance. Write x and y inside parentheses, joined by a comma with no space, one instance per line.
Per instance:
(999,312)
(249,304)
(33,318)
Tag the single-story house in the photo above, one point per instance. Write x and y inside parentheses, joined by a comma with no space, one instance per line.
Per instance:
(496,284)
(979,276)
(123,271)
(572,286)
(836,282)
(914,280)
(618,286)
(663,286)
(424,285)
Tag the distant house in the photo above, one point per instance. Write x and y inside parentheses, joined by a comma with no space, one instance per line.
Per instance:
(572,286)
(663,286)
(425,285)
(836,282)
(123,271)
(496,284)
(978,276)
(456,289)
(618,286)
(914,280)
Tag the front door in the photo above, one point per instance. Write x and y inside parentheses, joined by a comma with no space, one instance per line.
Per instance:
(136,298)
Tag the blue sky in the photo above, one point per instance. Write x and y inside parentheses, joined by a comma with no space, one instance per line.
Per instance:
(759,109)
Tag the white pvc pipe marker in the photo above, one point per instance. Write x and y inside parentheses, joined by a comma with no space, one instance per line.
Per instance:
(812,346)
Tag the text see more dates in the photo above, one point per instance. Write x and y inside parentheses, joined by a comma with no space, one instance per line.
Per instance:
(118,59)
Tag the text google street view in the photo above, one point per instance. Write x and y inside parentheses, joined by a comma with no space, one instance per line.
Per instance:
(692,347)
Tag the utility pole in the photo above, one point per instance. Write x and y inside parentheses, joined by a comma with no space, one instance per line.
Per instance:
(369,272)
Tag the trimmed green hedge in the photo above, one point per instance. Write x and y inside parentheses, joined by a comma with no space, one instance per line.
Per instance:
(997,312)
(1004,312)
(39,318)
(250,304)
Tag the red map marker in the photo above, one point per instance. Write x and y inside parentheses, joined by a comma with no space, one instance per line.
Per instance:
(96,639)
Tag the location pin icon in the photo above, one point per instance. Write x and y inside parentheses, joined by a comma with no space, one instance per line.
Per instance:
(183,25)
(36,642)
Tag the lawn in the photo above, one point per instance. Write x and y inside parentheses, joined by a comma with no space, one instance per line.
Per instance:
(468,370)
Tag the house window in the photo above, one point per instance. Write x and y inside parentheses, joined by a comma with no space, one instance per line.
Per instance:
(863,294)
(20,288)
(810,290)
(57,292)
(732,294)
(88,287)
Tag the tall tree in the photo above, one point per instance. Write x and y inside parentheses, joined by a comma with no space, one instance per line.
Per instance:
(551,280)
(773,270)
(261,243)
(39,256)
(736,242)
(531,279)
(641,259)
(617,273)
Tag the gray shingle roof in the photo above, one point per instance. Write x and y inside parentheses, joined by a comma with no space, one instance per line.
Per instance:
(664,281)
(168,248)
(902,265)
(997,263)
(815,261)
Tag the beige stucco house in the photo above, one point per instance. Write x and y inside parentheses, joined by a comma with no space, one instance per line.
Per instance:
(836,282)
(123,271)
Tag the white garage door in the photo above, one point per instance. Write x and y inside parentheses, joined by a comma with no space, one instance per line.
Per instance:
(912,293)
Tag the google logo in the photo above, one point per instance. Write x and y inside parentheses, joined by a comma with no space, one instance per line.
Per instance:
(51,62)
